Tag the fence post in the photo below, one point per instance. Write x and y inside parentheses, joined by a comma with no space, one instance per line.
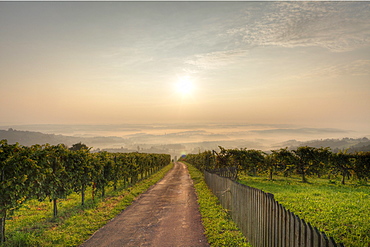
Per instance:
(253,215)
(270,232)
(297,230)
(270,219)
(229,194)
(281,226)
(287,228)
(241,206)
(256,218)
(264,218)
(248,213)
(261,218)
(292,229)
(303,233)
(323,240)
(309,238)
(316,237)
(275,222)
(235,205)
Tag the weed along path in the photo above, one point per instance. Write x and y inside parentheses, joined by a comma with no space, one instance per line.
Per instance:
(166,215)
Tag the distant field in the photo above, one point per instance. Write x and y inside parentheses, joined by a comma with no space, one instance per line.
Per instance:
(341,211)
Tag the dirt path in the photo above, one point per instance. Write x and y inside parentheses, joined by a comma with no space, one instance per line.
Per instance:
(165,215)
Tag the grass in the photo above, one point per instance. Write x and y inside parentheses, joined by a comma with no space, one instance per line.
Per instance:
(220,230)
(34,225)
(341,211)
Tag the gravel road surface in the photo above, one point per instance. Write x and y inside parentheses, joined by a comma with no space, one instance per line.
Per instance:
(166,215)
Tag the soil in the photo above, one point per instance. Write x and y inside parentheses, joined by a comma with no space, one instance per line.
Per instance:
(166,215)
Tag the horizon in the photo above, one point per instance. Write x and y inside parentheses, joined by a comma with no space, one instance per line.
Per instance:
(265,137)
(270,65)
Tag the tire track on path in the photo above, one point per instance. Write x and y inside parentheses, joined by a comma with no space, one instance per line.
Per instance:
(166,215)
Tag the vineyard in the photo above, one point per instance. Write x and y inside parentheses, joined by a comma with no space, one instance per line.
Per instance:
(54,172)
(303,161)
(329,190)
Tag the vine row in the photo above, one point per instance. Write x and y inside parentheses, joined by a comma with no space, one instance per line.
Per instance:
(304,161)
(55,171)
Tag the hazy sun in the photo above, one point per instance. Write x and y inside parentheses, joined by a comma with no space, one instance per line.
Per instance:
(185,85)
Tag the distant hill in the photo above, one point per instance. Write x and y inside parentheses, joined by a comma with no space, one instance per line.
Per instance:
(174,143)
(29,138)
(350,144)
(360,147)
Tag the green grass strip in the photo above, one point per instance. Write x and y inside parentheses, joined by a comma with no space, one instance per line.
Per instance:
(341,211)
(220,229)
(33,224)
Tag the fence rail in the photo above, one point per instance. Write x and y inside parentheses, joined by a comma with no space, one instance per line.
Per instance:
(263,221)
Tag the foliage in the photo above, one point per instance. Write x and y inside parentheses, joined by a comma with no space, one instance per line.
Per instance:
(303,161)
(79,146)
(54,172)
(342,163)
(31,224)
(18,176)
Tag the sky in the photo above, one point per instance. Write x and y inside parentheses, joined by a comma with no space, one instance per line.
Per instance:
(297,63)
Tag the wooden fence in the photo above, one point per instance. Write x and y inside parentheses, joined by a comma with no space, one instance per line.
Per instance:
(263,221)
(228,172)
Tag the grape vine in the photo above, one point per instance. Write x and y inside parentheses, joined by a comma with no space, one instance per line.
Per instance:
(303,161)
(54,172)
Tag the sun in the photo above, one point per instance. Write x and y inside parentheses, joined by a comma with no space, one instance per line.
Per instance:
(185,85)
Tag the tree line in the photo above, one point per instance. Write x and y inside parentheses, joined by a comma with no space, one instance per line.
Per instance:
(55,171)
(303,160)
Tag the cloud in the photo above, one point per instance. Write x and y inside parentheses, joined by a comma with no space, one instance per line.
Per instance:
(336,26)
(214,60)
(305,131)
(355,68)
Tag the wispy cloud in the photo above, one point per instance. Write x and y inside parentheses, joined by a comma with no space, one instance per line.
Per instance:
(214,60)
(336,26)
(306,131)
(354,68)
